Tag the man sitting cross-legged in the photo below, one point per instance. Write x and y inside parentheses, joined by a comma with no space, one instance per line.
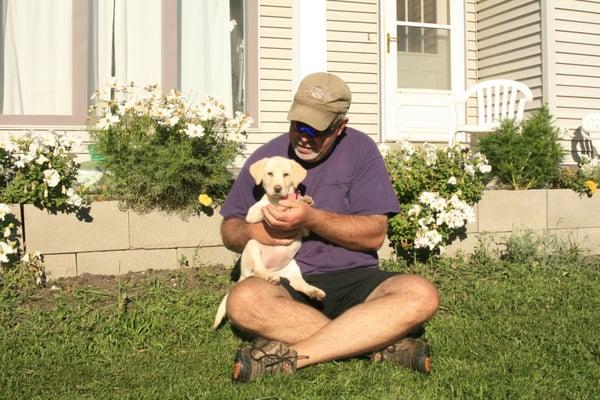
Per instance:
(366,311)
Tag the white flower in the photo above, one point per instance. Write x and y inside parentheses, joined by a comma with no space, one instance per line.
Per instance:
(427,198)
(41,159)
(383,148)
(469,169)
(194,130)
(430,155)
(425,222)
(8,230)
(407,147)
(484,168)
(7,248)
(452,180)
(10,147)
(428,238)
(414,210)
(51,177)
(102,124)
(73,198)
(173,121)
(4,211)
(438,204)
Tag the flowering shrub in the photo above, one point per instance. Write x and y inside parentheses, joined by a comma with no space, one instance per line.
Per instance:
(9,244)
(40,169)
(585,178)
(160,152)
(10,249)
(436,189)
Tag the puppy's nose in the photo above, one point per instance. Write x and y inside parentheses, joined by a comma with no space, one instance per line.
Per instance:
(277,188)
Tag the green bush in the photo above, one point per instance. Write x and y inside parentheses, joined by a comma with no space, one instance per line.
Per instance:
(525,155)
(436,189)
(160,153)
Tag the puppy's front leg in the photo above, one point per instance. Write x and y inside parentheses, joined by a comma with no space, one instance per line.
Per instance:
(255,212)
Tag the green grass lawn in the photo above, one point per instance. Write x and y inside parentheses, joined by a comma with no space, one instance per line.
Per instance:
(506,330)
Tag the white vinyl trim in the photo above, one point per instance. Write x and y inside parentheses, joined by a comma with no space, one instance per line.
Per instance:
(309,38)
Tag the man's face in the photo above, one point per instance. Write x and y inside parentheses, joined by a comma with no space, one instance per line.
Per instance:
(314,147)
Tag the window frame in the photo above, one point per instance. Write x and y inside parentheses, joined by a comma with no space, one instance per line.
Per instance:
(81,14)
(81,18)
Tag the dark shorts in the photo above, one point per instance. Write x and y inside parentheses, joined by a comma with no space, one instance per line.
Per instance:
(344,289)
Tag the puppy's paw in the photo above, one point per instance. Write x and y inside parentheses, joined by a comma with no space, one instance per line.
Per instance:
(308,200)
(274,279)
(316,294)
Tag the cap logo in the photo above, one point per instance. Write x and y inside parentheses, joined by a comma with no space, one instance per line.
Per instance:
(318,93)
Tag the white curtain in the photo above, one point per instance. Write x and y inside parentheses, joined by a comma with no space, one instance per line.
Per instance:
(137,42)
(206,50)
(37,57)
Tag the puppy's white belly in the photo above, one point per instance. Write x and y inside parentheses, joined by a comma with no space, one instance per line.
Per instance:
(278,257)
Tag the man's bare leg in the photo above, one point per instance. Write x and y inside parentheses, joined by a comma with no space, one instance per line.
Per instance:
(263,309)
(393,309)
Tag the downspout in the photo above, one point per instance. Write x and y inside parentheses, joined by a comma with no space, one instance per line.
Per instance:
(548,55)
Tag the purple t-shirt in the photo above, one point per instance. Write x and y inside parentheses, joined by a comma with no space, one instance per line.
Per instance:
(351,180)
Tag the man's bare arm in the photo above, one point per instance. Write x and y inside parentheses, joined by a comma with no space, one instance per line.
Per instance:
(235,233)
(355,232)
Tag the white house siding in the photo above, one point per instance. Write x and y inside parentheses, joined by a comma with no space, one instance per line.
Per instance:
(509,43)
(275,71)
(577,61)
(353,54)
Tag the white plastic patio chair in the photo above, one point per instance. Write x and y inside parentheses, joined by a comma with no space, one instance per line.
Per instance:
(496,100)
(590,128)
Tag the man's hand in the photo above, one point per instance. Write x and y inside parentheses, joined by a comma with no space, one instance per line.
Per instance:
(271,236)
(289,215)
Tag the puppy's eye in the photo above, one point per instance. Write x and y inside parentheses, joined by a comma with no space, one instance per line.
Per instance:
(285,174)
(270,173)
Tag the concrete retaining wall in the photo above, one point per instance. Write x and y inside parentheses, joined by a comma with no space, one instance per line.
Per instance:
(118,241)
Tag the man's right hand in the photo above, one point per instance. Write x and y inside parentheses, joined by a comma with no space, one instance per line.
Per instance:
(270,236)
(235,233)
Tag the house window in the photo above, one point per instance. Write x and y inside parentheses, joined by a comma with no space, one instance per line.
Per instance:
(215,28)
(423,28)
(36,57)
(55,54)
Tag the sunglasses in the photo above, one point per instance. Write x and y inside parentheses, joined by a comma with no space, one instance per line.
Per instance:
(310,131)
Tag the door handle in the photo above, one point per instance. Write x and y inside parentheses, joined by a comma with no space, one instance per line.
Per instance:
(389,38)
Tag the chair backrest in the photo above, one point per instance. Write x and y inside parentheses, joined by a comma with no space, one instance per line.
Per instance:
(498,99)
(590,125)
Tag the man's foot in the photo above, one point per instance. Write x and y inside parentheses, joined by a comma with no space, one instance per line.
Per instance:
(407,352)
(263,357)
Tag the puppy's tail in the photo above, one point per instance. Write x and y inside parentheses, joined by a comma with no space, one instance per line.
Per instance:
(221,311)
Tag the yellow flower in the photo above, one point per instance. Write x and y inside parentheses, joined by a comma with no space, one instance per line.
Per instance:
(591,186)
(205,200)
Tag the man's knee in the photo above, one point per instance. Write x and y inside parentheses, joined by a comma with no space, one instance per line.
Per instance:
(423,296)
(248,296)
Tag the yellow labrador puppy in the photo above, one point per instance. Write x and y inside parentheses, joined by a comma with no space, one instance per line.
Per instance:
(279,177)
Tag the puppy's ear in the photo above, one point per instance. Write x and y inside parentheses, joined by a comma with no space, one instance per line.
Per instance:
(257,169)
(298,173)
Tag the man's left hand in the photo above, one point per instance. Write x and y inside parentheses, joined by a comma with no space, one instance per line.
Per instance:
(288,215)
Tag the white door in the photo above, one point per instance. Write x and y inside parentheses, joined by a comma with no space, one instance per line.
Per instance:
(423,48)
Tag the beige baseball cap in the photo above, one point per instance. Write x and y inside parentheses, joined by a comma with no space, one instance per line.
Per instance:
(320,98)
